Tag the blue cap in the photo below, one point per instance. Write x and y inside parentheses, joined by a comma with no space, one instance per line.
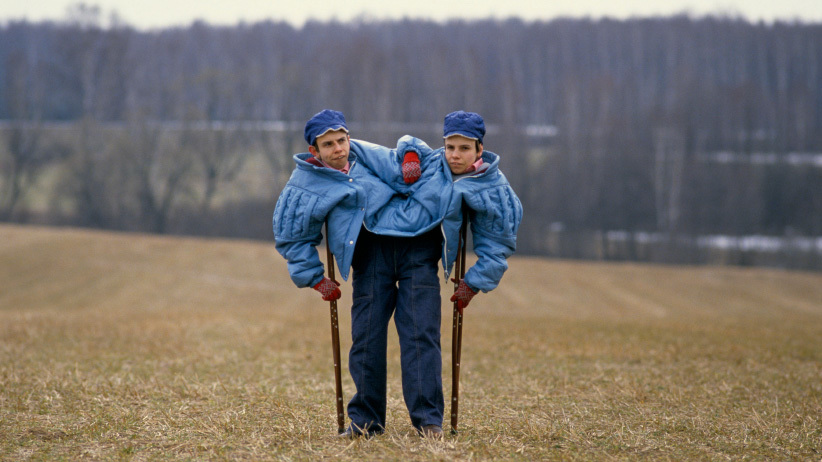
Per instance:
(467,124)
(323,121)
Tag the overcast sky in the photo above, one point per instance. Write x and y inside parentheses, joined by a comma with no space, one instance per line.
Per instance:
(162,13)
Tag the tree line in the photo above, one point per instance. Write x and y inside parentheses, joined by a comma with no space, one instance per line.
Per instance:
(152,124)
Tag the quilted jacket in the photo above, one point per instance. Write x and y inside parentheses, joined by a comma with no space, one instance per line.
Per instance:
(361,198)
(494,212)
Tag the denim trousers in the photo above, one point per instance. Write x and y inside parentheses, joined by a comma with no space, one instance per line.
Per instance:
(396,276)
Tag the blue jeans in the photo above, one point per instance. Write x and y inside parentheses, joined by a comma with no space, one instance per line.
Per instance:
(396,276)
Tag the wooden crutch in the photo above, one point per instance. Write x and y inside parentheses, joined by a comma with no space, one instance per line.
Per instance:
(456,335)
(335,337)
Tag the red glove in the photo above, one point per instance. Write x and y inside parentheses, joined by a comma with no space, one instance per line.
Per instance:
(411,167)
(463,294)
(330,289)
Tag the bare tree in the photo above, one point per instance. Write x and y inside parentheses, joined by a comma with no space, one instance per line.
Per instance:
(279,143)
(91,182)
(24,154)
(218,151)
(668,177)
(212,134)
(19,163)
(157,170)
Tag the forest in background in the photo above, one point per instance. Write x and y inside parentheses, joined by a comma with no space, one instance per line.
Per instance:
(625,139)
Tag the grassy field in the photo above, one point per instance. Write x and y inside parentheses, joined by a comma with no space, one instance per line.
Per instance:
(133,347)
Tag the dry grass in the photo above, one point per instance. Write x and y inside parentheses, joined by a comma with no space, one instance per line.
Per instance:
(132,347)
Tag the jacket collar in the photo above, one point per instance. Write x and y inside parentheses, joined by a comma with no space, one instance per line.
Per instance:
(302,159)
(488,158)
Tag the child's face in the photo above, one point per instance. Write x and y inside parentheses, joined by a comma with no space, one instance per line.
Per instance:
(461,152)
(332,148)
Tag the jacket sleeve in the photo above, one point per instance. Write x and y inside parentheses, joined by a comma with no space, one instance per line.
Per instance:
(298,220)
(410,143)
(495,215)
(387,163)
(383,162)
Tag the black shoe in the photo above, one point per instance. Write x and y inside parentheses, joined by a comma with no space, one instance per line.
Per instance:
(431,431)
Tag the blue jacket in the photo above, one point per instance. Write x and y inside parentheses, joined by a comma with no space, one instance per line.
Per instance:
(494,211)
(417,208)
(348,202)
